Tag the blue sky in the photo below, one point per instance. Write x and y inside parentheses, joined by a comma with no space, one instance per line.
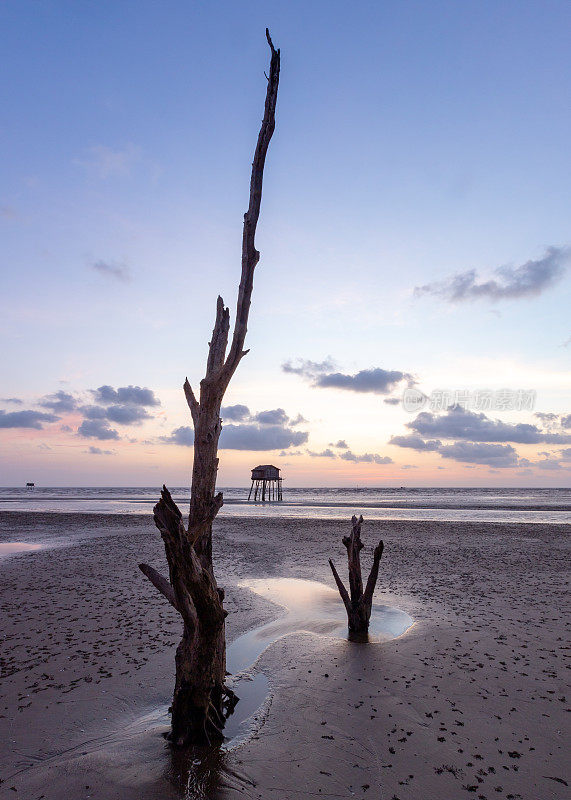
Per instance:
(414,142)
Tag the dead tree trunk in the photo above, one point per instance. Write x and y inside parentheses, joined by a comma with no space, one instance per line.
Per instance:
(201,701)
(359,603)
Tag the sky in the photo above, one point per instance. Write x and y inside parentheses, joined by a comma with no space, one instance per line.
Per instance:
(410,318)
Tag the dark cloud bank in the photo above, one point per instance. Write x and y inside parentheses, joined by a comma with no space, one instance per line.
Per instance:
(266,430)
(126,405)
(479,439)
(25,419)
(322,374)
(459,423)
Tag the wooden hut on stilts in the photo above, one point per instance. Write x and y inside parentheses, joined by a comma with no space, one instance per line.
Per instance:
(266,483)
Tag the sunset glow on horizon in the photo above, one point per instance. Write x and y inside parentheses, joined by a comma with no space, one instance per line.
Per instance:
(414,235)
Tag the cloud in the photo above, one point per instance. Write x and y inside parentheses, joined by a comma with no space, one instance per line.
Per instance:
(493,455)
(459,423)
(392,401)
(120,414)
(94,412)
(245,437)
(60,402)
(235,413)
(369,458)
(276,416)
(347,455)
(547,419)
(566,421)
(97,451)
(266,437)
(415,442)
(25,419)
(183,436)
(548,463)
(127,415)
(134,395)
(528,280)
(14,400)
(107,162)
(475,438)
(97,429)
(320,373)
(308,369)
(113,269)
(377,380)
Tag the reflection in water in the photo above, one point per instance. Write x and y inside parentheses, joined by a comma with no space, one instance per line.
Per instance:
(9,548)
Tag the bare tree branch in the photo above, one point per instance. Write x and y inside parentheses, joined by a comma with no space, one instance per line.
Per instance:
(193,403)
(374,574)
(342,590)
(159,583)
(250,256)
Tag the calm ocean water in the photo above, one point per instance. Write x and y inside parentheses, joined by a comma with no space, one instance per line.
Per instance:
(484,505)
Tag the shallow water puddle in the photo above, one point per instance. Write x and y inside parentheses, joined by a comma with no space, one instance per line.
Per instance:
(130,753)
(9,548)
(311,607)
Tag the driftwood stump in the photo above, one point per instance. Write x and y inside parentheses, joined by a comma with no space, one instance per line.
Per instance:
(359,603)
(201,701)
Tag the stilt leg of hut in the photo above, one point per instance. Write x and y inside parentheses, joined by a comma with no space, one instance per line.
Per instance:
(250,492)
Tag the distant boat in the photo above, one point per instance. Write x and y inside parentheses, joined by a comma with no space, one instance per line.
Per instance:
(30,485)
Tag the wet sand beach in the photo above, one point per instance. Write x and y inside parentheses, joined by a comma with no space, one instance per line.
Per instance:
(469,702)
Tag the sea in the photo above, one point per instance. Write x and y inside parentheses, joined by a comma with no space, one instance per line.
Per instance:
(552,506)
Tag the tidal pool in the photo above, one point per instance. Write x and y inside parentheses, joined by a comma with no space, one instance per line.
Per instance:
(311,607)
(9,548)
(130,755)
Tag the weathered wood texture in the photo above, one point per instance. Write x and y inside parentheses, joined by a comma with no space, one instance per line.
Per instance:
(358,603)
(201,701)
